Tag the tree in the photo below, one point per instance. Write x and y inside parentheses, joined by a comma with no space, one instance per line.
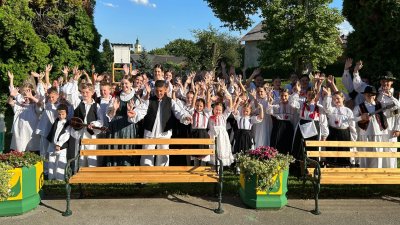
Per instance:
(214,46)
(180,47)
(34,33)
(106,57)
(298,32)
(159,51)
(144,62)
(376,36)
(21,49)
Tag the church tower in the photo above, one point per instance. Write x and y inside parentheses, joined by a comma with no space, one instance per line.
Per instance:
(138,47)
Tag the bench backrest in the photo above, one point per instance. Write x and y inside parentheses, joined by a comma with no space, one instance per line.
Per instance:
(187,142)
(352,144)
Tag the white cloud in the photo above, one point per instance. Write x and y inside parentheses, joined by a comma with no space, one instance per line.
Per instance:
(108,4)
(144,2)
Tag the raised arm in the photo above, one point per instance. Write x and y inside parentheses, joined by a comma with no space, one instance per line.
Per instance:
(47,74)
(255,73)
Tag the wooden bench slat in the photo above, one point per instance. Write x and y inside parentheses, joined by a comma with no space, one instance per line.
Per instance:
(356,170)
(347,154)
(338,180)
(144,141)
(121,152)
(146,178)
(352,144)
(138,174)
(145,168)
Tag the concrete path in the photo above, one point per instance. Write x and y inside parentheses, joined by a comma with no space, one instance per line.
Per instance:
(185,210)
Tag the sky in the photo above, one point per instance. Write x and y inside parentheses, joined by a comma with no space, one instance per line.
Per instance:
(157,22)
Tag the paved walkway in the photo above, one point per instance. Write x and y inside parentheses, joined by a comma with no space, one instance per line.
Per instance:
(185,210)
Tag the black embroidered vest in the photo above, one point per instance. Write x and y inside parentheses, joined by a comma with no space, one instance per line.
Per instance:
(80,112)
(53,130)
(380,117)
(166,114)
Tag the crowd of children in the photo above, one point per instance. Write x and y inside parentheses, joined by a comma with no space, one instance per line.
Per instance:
(240,114)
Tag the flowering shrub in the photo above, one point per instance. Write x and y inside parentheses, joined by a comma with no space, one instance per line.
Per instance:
(5,177)
(20,159)
(264,162)
(9,161)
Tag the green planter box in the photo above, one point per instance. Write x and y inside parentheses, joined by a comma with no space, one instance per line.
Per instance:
(274,199)
(25,186)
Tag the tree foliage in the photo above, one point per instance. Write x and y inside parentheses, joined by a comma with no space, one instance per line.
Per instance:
(210,47)
(376,35)
(298,32)
(235,13)
(215,46)
(159,51)
(144,62)
(34,33)
(106,57)
(21,49)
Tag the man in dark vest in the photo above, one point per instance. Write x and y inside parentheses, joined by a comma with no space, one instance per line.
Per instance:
(158,121)
(373,125)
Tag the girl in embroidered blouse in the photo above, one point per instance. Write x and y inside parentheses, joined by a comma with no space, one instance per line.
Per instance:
(341,123)
(200,117)
(217,125)
(244,138)
(311,114)
(283,128)
(120,126)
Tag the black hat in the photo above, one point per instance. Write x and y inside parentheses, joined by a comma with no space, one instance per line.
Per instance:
(387,75)
(369,90)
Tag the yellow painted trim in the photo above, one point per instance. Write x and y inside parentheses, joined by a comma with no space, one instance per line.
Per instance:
(39,172)
(279,192)
(17,176)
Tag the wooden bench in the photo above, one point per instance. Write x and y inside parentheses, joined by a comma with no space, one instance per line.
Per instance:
(145,174)
(348,175)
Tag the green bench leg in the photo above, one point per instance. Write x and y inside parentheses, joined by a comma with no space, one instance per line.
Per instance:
(219,210)
(68,211)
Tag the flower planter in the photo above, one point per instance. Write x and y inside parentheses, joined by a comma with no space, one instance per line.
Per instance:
(274,199)
(26,183)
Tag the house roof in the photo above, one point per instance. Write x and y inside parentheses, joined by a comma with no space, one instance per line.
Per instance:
(121,44)
(254,34)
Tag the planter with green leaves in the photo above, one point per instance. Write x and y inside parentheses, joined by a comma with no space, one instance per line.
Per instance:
(21,178)
(263,178)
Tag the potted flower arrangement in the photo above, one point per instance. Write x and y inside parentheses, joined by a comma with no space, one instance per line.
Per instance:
(263,178)
(21,178)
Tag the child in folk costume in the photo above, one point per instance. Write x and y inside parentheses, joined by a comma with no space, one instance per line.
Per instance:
(24,105)
(312,125)
(200,118)
(245,121)
(90,113)
(385,96)
(262,131)
(372,128)
(341,123)
(58,137)
(217,125)
(282,130)
(157,114)
(46,120)
(119,124)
